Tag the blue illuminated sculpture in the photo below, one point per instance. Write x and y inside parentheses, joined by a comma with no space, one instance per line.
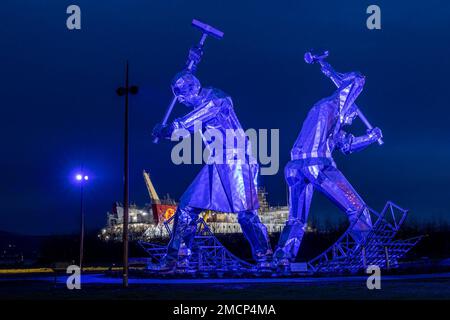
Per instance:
(224,186)
(312,165)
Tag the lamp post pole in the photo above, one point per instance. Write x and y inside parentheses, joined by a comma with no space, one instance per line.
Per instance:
(81,178)
(125,91)
(81,226)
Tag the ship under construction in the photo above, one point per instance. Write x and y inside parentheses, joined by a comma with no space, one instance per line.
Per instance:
(147,222)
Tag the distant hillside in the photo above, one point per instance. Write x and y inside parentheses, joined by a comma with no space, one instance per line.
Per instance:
(5,234)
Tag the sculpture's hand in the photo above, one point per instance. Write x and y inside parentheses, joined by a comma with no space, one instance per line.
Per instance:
(326,68)
(375,134)
(162,131)
(195,56)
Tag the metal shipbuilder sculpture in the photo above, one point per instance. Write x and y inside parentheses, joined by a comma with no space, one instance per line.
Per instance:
(312,166)
(225,186)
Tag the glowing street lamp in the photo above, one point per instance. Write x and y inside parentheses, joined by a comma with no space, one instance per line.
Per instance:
(80,177)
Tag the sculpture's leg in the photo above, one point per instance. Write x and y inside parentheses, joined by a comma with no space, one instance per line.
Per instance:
(256,234)
(336,187)
(184,227)
(300,195)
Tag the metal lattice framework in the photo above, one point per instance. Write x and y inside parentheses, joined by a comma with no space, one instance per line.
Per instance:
(345,255)
(379,247)
(208,254)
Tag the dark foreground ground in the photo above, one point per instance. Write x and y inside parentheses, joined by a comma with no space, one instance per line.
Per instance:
(436,286)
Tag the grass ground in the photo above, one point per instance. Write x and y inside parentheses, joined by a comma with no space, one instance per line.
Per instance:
(352,288)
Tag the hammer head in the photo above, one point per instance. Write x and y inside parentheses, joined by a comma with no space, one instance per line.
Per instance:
(312,56)
(205,28)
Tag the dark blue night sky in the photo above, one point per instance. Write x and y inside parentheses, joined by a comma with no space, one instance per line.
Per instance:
(60,110)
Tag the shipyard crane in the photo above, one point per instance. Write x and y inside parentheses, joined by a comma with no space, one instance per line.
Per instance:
(156,201)
(151,189)
(162,210)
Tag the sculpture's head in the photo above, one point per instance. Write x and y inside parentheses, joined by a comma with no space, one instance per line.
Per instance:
(352,85)
(186,87)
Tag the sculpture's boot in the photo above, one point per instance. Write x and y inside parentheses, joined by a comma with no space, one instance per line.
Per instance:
(256,234)
(166,265)
(288,245)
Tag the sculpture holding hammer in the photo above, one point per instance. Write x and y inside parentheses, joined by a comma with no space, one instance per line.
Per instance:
(225,186)
(312,166)
(195,54)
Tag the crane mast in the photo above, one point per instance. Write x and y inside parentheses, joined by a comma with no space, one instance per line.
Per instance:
(151,189)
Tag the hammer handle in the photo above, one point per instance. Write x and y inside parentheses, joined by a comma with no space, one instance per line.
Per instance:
(367,123)
(166,116)
(360,113)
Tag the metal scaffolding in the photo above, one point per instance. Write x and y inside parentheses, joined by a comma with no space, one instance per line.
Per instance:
(379,247)
(208,254)
(344,256)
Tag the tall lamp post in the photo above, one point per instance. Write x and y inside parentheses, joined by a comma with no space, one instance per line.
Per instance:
(81,179)
(125,91)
